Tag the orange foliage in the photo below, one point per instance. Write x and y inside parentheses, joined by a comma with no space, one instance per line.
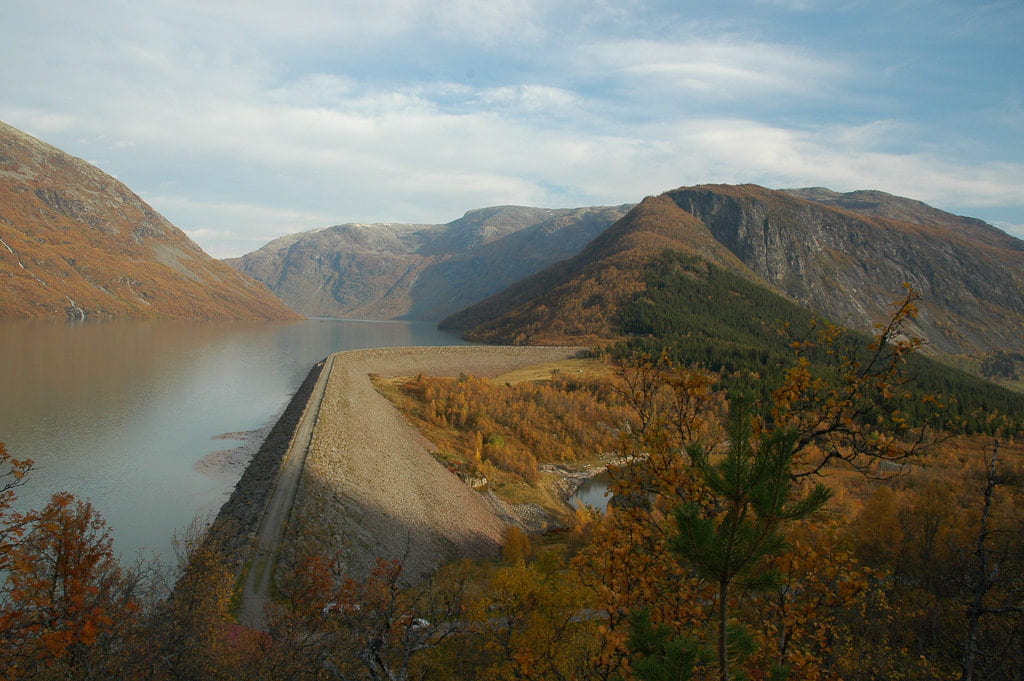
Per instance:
(72,233)
(516,427)
(64,589)
(516,547)
(831,419)
(533,623)
(12,524)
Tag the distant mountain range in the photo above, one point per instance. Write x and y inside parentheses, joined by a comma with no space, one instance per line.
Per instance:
(844,256)
(420,272)
(75,242)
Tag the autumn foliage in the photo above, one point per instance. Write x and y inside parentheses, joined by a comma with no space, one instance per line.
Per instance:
(515,428)
(808,532)
(73,239)
(67,608)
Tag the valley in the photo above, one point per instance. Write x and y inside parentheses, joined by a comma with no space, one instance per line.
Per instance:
(843,266)
(420,272)
(801,476)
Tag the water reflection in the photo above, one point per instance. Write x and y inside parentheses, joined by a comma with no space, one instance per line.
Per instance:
(119,412)
(593,493)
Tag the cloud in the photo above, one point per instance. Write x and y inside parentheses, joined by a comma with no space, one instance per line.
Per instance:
(529,98)
(217,225)
(255,119)
(41,123)
(727,67)
(844,158)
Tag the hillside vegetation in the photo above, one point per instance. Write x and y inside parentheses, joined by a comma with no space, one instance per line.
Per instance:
(809,532)
(711,561)
(698,314)
(76,243)
(658,281)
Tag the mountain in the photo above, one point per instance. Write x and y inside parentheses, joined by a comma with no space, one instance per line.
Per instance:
(844,256)
(420,272)
(883,205)
(578,299)
(75,242)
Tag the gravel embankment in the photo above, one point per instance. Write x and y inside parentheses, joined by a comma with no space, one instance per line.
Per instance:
(239,517)
(370,487)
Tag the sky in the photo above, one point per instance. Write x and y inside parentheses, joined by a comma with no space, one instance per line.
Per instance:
(244,120)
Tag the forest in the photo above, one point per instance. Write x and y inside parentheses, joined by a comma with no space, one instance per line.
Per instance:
(803,525)
(699,313)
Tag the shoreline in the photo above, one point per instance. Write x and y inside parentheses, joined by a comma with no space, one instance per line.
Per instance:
(238,518)
(229,464)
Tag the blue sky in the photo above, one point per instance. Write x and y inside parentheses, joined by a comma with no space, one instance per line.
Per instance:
(242,121)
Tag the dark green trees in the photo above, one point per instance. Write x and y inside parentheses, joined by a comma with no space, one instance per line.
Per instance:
(751,495)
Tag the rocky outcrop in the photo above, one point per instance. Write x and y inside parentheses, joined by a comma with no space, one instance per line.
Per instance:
(847,259)
(880,204)
(76,243)
(420,272)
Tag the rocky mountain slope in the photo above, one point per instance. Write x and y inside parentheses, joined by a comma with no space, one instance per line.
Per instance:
(420,272)
(845,256)
(578,299)
(75,242)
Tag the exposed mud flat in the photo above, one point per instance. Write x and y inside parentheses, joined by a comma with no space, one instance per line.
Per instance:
(228,465)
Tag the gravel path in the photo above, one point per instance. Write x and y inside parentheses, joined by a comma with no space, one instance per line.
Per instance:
(370,487)
(256,591)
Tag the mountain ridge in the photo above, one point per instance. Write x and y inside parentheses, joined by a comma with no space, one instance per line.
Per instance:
(419,272)
(845,262)
(848,266)
(606,272)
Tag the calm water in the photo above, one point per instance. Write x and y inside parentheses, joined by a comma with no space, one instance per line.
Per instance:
(120,412)
(593,492)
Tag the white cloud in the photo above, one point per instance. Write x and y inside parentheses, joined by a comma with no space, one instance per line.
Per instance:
(230,229)
(315,90)
(727,67)
(250,118)
(529,98)
(843,158)
(40,123)
(489,21)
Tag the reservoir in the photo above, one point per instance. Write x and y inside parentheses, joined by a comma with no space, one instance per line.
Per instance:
(121,412)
